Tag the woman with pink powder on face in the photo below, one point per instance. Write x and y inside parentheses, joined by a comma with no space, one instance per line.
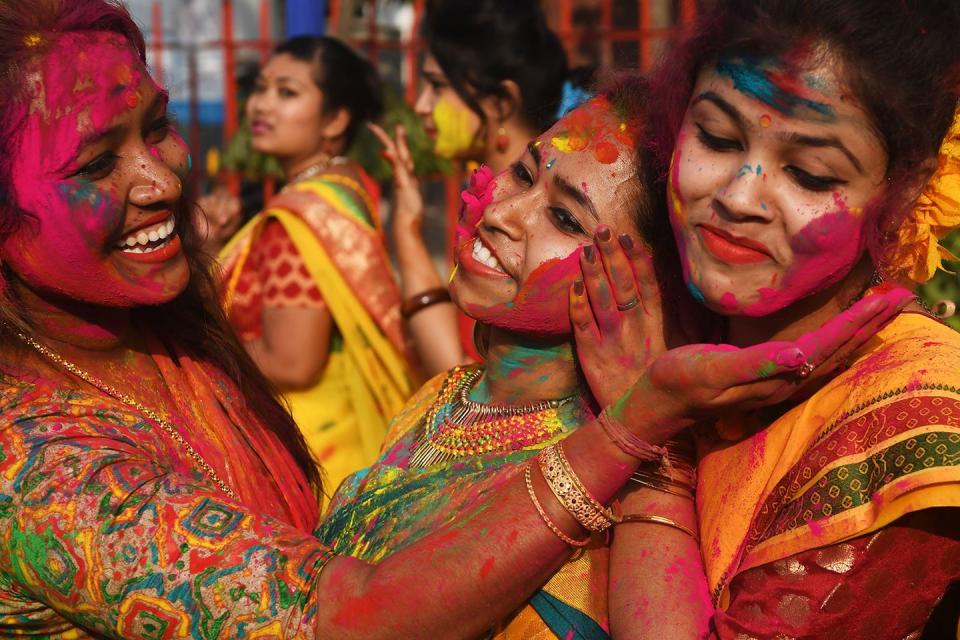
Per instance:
(152,483)
(811,152)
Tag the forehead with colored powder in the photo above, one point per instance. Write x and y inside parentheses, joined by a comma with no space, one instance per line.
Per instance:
(74,91)
(597,128)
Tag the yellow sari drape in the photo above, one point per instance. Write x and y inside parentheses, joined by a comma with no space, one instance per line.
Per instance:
(344,416)
(879,441)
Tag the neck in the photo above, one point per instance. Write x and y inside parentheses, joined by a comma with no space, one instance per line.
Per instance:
(293,165)
(804,315)
(74,327)
(521,369)
(518,137)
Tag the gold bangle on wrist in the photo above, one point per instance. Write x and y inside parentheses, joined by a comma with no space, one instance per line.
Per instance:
(565,488)
(557,531)
(607,513)
(667,522)
(420,301)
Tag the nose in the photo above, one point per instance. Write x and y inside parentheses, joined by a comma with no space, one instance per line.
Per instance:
(156,182)
(744,196)
(509,215)
(423,107)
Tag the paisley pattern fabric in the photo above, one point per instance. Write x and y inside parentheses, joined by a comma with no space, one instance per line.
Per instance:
(108,529)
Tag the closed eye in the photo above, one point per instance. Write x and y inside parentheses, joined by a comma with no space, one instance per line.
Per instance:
(812,182)
(565,221)
(521,173)
(98,168)
(716,142)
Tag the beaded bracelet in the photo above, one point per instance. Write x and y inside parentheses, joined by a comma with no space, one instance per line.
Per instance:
(563,486)
(422,300)
(667,522)
(628,442)
(557,531)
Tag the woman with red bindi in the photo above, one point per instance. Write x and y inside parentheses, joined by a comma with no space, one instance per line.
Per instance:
(810,159)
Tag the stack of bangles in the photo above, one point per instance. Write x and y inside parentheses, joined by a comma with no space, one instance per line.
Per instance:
(674,475)
(422,300)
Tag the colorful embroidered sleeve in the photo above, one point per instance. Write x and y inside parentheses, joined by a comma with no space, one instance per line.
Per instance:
(882,585)
(98,535)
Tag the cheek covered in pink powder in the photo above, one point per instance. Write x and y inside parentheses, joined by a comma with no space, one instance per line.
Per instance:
(823,253)
(541,305)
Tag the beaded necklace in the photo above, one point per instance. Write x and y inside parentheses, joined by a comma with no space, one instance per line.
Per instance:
(456,426)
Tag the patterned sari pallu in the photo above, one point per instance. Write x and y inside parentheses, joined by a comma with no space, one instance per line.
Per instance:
(879,441)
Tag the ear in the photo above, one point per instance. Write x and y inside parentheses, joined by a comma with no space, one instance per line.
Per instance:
(506,104)
(919,180)
(336,124)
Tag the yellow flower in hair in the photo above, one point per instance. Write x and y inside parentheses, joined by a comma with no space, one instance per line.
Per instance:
(918,253)
(32,40)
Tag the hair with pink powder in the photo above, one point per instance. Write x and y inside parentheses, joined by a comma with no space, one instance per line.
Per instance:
(898,57)
(194,320)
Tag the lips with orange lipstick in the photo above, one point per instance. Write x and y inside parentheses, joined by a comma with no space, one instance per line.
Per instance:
(732,249)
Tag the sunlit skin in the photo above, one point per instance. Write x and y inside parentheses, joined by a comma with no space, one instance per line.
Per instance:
(287,117)
(543,210)
(92,175)
(452,126)
(772,173)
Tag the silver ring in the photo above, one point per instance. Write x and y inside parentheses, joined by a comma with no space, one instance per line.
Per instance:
(806,370)
(629,304)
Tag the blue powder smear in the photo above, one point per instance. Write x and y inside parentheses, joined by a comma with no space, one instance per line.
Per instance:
(752,76)
(695,292)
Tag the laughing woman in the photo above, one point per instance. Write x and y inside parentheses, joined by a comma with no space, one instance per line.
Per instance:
(308,284)
(812,151)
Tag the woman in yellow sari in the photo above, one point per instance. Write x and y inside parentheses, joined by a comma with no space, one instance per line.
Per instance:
(811,152)
(308,283)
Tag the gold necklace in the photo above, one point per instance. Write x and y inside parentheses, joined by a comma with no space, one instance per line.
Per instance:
(317,168)
(456,426)
(132,402)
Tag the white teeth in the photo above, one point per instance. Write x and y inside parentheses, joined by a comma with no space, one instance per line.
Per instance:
(161,231)
(482,255)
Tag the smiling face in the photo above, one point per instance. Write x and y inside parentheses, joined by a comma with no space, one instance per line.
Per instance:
(773,169)
(286,109)
(517,261)
(452,126)
(99,168)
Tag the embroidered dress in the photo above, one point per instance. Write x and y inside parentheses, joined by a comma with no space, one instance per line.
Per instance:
(109,529)
(878,444)
(315,246)
(394,503)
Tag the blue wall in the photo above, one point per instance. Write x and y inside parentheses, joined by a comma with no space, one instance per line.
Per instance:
(306,17)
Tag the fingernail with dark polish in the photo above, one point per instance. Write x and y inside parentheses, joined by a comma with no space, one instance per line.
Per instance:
(626,241)
(603,233)
(590,253)
(578,287)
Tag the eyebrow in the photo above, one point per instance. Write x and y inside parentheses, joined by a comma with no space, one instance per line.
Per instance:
(565,185)
(790,138)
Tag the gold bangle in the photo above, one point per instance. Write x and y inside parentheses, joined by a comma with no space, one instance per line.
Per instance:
(564,488)
(664,486)
(607,513)
(557,531)
(667,522)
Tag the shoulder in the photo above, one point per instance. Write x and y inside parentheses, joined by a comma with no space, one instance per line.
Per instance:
(416,408)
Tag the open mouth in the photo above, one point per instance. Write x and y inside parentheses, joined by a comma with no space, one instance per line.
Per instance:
(484,256)
(148,239)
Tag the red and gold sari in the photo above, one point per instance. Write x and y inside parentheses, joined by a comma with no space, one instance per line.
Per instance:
(875,448)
